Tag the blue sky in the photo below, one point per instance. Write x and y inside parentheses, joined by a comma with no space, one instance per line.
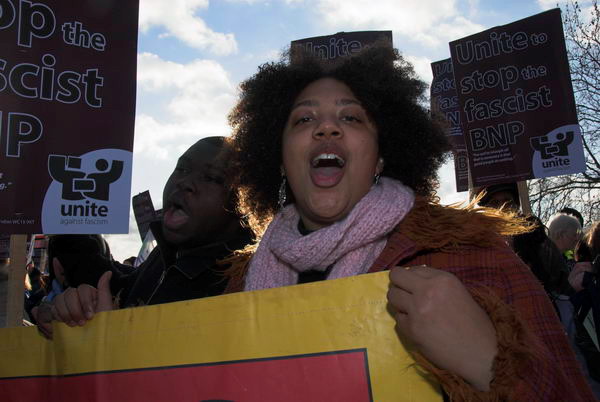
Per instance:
(192,54)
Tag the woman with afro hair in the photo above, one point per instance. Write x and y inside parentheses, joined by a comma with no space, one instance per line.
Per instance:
(336,167)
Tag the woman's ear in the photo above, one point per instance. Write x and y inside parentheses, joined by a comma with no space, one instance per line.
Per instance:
(379,166)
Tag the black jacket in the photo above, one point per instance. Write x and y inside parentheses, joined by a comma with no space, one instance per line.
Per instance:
(169,275)
(166,276)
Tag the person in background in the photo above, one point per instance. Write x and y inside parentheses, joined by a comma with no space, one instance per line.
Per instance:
(199,228)
(534,247)
(70,251)
(586,253)
(572,212)
(34,289)
(582,251)
(67,254)
(593,239)
(586,303)
(565,231)
(505,195)
(549,266)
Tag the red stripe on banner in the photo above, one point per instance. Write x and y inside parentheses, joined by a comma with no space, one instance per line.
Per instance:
(337,376)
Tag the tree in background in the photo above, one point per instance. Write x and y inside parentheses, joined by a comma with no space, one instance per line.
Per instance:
(582,191)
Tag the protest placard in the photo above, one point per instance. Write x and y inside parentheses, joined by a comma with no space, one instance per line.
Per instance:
(516,101)
(67,90)
(324,341)
(330,47)
(144,212)
(444,101)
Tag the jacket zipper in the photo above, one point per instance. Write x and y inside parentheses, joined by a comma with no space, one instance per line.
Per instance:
(160,281)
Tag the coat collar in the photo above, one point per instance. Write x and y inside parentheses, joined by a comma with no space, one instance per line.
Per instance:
(397,248)
(192,262)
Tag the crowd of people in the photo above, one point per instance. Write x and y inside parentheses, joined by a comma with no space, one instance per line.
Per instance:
(330,172)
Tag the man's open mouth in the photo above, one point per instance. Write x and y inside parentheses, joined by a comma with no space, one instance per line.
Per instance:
(175,216)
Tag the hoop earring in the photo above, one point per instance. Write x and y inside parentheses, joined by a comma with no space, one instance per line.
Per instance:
(282,194)
(380,164)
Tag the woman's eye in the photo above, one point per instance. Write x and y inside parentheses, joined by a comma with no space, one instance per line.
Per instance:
(351,118)
(303,119)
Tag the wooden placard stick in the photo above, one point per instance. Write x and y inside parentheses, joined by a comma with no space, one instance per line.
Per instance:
(16,280)
(44,256)
(524,197)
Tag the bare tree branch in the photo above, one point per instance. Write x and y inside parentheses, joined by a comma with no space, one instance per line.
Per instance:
(581,191)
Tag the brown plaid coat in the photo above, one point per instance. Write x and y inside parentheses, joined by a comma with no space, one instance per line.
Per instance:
(534,361)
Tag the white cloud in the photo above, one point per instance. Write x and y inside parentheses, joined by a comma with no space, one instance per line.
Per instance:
(473,8)
(429,22)
(264,1)
(447,190)
(197,97)
(447,31)
(422,66)
(179,19)
(248,1)
(203,89)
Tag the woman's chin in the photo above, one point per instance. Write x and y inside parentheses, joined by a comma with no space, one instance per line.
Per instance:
(324,211)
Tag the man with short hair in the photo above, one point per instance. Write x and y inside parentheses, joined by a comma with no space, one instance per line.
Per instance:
(199,228)
(572,212)
(565,231)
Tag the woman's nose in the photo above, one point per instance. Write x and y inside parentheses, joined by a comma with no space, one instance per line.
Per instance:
(328,128)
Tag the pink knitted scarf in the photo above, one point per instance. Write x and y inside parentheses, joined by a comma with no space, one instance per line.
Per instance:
(350,245)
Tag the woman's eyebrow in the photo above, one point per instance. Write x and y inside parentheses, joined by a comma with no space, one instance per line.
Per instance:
(339,102)
(308,102)
(345,101)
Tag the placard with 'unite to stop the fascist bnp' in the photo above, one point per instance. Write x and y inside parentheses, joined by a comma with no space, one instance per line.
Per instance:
(516,102)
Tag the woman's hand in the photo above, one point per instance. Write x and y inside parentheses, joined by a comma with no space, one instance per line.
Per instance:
(434,310)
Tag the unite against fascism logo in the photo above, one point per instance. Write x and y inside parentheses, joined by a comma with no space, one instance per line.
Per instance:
(554,150)
(88,191)
(559,151)
(79,185)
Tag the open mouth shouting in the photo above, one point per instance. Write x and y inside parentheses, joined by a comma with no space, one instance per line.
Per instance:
(175,215)
(327,166)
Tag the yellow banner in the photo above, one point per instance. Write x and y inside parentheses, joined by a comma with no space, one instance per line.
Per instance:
(323,341)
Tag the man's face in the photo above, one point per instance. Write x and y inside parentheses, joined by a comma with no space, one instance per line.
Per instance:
(571,239)
(195,210)
(502,198)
